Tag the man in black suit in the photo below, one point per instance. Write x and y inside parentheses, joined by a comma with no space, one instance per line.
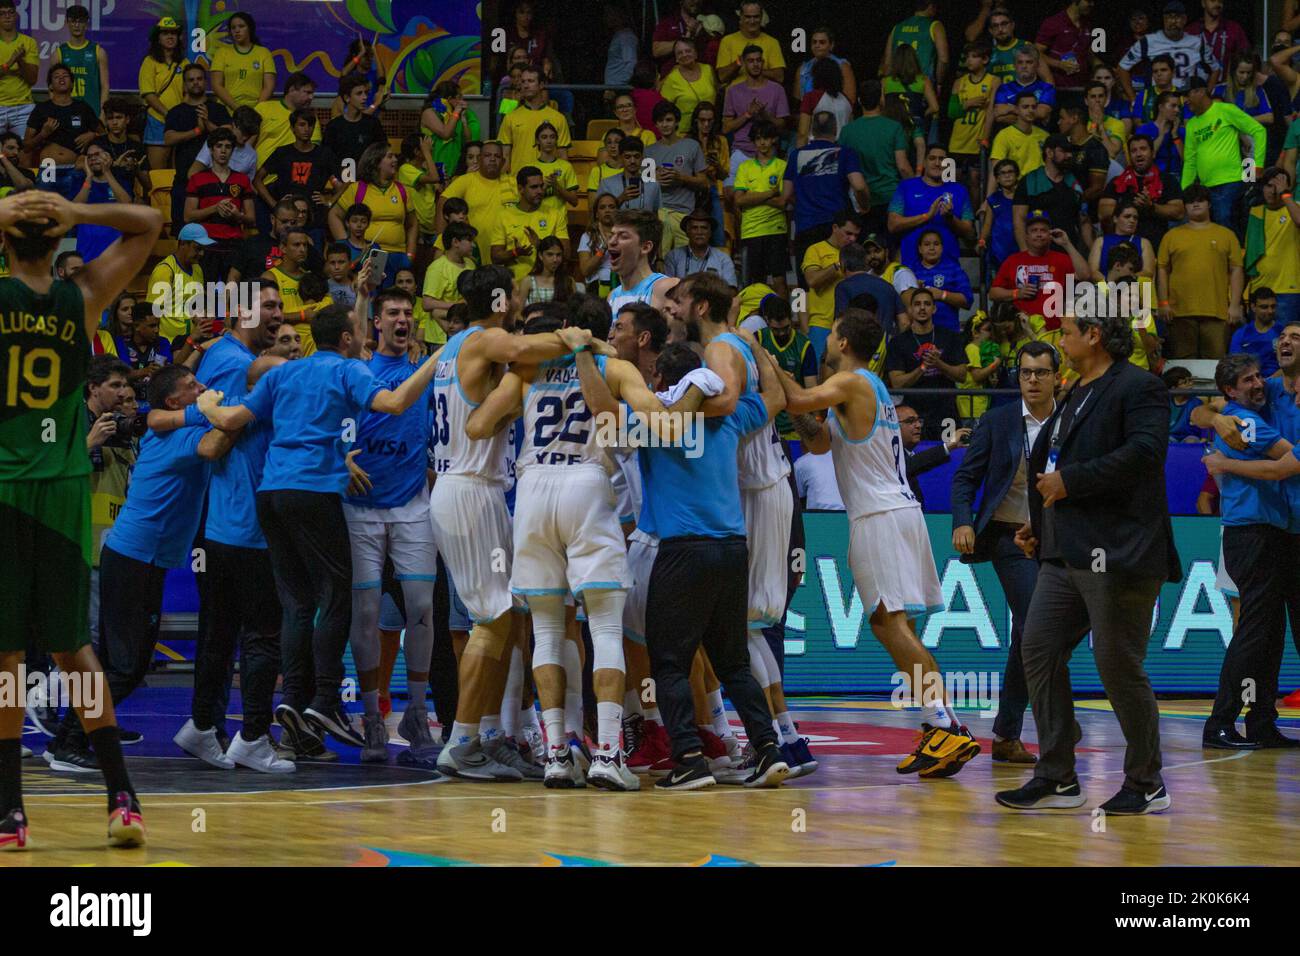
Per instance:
(910,427)
(1099,522)
(997,462)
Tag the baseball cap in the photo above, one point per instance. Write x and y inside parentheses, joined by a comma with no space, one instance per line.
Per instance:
(168,23)
(193,232)
(873,239)
(1175,6)
(1035,215)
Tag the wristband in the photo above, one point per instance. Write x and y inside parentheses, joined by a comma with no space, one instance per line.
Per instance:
(189,340)
(198,131)
(1164,304)
(581,348)
(1286,195)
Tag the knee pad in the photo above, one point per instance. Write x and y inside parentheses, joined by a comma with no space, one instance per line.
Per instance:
(549,645)
(364,635)
(605,619)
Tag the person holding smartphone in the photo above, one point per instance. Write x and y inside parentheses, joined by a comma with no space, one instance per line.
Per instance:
(1025,278)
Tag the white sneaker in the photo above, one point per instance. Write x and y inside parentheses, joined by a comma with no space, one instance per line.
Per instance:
(608,772)
(258,755)
(203,744)
(562,771)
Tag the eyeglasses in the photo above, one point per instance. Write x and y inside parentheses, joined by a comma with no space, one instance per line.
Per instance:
(911,420)
(1040,373)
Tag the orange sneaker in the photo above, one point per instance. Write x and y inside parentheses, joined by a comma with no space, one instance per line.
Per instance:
(125,822)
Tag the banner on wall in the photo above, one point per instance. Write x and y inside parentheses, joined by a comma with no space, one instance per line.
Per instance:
(829,646)
(418,43)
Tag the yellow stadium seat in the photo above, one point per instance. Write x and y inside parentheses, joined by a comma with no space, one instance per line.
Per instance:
(597,128)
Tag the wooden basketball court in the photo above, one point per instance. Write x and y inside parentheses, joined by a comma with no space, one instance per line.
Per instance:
(1229,809)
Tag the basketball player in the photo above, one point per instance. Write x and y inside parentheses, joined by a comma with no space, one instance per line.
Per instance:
(705,301)
(633,245)
(46,326)
(567,541)
(638,333)
(889,550)
(470,522)
(390,519)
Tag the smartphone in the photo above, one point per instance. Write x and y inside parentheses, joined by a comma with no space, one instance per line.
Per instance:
(378,259)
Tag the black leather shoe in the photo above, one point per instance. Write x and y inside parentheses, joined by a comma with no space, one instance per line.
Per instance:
(1227,738)
(1270,738)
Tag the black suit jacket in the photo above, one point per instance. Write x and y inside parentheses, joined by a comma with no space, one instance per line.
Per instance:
(996,449)
(1112,461)
(918,463)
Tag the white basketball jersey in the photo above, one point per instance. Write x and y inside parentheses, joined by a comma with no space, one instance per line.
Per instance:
(643,291)
(872,472)
(761,460)
(558,426)
(454,452)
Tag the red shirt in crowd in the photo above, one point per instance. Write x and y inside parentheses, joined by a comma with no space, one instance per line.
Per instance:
(1064,40)
(210,190)
(1225,42)
(1018,267)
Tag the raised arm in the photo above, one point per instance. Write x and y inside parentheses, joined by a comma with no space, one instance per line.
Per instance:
(394,401)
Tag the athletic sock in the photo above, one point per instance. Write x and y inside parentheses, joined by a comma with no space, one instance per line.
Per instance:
(718,713)
(652,715)
(609,721)
(941,715)
(370,702)
(463,733)
(528,722)
(489,727)
(553,718)
(107,744)
(11,776)
(785,727)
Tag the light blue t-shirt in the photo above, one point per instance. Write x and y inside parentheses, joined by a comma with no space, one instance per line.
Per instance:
(394,448)
(699,496)
(1284,415)
(158,523)
(232,502)
(314,406)
(1251,500)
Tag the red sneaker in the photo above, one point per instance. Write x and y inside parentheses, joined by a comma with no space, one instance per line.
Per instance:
(1292,699)
(652,750)
(13,831)
(125,823)
(715,751)
(385,707)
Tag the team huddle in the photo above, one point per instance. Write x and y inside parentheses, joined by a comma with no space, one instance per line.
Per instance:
(676,550)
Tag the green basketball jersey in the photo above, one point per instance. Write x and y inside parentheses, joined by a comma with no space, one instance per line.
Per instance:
(789,357)
(44,356)
(85,73)
(918,32)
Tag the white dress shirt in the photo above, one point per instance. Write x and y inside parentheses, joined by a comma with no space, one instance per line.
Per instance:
(1014,507)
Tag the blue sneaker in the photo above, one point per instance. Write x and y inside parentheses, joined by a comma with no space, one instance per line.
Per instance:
(791,757)
(807,763)
(420,761)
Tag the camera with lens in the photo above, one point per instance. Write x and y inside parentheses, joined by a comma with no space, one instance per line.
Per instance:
(126,427)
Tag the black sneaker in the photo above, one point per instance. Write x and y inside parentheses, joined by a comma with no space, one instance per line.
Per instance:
(1226,738)
(1133,802)
(69,757)
(770,768)
(1040,794)
(690,774)
(632,724)
(1270,738)
(334,721)
(128,737)
(295,727)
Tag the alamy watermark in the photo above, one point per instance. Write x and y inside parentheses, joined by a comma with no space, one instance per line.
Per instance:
(968,690)
(83,691)
(197,300)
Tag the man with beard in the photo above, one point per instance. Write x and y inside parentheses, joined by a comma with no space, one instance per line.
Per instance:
(1052,188)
